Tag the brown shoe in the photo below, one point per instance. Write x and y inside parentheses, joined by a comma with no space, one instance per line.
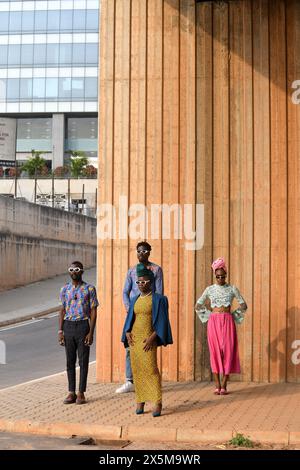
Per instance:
(71,398)
(80,401)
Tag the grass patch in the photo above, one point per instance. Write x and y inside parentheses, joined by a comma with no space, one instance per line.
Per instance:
(239,440)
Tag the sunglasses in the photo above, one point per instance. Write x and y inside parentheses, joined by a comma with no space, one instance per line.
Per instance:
(220,277)
(142,283)
(75,270)
(142,251)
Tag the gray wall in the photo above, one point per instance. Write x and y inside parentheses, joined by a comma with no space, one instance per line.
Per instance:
(38,242)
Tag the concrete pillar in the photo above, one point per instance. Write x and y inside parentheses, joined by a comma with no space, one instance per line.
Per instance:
(143,76)
(58,140)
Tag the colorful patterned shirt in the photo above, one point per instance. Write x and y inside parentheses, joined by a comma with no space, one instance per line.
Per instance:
(131,289)
(78,301)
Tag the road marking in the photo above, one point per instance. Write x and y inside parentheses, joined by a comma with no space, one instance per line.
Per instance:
(52,315)
(12,387)
(28,322)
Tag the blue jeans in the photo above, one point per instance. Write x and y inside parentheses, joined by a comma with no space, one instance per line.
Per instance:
(129,375)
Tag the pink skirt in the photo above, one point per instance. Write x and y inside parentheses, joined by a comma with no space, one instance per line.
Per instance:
(223,344)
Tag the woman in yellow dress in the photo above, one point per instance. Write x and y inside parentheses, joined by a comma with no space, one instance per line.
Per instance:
(146,327)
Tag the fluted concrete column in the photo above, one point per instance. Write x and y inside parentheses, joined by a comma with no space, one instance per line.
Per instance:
(58,140)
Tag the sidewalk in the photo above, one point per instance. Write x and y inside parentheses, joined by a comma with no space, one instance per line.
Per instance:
(39,298)
(268,413)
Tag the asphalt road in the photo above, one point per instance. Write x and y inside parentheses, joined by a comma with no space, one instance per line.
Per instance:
(32,351)
(9,441)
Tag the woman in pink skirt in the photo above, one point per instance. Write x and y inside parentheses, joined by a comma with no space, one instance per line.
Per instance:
(221,330)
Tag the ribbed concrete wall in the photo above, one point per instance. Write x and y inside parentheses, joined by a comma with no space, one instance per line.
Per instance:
(248,174)
(38,242)
(196,107)
(147,153)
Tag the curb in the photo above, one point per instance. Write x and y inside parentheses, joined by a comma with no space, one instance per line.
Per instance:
(29,317)
(61,429)
(136,433)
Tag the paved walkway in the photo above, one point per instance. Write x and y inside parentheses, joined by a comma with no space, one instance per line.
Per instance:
(35,299)
(265,412)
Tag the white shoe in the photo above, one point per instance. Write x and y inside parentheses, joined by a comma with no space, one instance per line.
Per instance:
(126,387)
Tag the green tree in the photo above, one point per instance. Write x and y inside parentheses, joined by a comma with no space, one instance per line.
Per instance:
(78,162)
(35,164)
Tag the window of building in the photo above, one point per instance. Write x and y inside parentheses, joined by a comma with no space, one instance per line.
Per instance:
(38,88)
(14,51)
(39,55)
(78,88)
(79,17)
(91,54)
(2,89)
(53,20)
(92,20)
(13,89)
(15,21)
(78,54)
(32,28)
(27,20)
(27,54)
(81,134)
(52,88)
(41,20)
(4,21)
(34,133)
(52,54)
(66,20)
(3,55)
(25,89)
(40,23)
(64,88)
(91,88)
(65,54)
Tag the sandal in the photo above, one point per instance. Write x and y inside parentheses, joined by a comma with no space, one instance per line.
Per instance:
(217,391)
(223,391)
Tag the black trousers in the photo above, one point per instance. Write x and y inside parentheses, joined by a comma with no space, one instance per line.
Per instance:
(75,333)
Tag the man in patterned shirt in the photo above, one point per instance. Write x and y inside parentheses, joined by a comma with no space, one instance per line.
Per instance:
(130,290)
(77,322)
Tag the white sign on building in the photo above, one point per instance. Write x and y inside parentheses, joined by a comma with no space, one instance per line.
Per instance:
(8,141)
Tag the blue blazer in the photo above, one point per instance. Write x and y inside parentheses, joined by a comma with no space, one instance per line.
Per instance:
(160,320)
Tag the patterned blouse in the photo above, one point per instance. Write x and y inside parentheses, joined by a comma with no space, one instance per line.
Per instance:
(220,296)
(78,301)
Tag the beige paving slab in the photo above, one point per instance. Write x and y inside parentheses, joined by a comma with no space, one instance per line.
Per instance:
(191,412)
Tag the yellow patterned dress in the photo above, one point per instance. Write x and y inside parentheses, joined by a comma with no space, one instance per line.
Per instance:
(146,375)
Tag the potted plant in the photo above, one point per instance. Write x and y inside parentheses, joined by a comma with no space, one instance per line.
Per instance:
(61,171)
(77,162)
(13,171)
(44,171)
(35,164)
(90,171)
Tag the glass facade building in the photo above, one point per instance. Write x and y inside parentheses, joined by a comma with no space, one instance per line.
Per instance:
(49,69)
